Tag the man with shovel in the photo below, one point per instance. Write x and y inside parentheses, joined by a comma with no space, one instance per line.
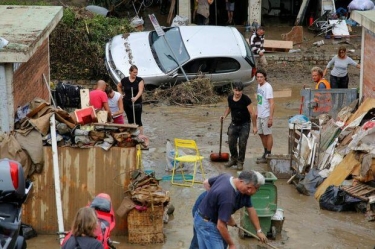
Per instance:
(225,195)
(241,110)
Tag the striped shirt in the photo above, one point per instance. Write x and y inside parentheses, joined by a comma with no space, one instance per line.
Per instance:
(256,43)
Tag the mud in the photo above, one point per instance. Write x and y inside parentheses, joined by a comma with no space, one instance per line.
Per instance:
(305,226)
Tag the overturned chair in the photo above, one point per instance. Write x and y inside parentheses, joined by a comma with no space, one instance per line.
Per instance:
(179,158)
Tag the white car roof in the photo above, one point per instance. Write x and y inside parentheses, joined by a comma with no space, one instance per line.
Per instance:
(206,41)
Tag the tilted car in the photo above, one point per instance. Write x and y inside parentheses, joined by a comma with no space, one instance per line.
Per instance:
(219,53)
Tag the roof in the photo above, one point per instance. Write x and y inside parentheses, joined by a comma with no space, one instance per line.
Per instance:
(364,18)
(26,28)
(207,41)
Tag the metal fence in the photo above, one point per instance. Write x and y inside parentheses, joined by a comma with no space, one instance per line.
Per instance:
(318,101)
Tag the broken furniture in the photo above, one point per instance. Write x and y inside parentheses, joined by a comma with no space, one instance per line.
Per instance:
(295,35)
(145,219)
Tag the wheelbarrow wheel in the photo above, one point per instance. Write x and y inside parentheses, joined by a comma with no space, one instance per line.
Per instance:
(273,232)
(241,234)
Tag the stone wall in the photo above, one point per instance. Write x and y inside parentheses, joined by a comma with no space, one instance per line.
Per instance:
(309,59)
(28,78)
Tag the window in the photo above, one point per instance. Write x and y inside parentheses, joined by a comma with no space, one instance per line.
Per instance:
(226,65)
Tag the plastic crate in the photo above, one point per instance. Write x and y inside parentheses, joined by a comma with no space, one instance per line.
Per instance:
(146,227)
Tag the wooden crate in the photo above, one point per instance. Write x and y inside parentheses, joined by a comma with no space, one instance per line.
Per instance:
(146,227)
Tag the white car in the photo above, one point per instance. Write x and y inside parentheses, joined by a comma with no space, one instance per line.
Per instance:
(220,53)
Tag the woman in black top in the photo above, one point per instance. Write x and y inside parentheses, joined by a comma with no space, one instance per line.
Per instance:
(85,225)
(132,88)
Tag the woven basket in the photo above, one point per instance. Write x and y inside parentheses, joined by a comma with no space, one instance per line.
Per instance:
(146,227)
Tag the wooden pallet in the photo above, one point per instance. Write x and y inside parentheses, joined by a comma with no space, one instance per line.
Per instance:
(360,191)
(276,45)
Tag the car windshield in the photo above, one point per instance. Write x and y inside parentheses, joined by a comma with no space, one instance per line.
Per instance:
(162,53)
(249,55)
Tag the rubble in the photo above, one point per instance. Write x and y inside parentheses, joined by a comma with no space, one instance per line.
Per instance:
(342,152)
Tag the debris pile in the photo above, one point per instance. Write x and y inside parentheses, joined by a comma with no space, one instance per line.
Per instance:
(146,207)
(197,91)
(336,163)
(33,131)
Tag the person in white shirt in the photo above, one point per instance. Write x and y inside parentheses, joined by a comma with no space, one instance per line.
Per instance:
(265,111)
(115,105)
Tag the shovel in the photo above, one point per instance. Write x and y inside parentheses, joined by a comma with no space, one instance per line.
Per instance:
(220,157)
(255,236)
(133,107)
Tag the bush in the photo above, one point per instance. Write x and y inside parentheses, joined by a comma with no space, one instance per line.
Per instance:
(77,44)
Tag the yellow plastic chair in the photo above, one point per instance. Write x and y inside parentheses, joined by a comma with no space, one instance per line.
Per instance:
(188,158)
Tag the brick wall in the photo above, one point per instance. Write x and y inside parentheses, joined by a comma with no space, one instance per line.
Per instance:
(368,64)
(28,78)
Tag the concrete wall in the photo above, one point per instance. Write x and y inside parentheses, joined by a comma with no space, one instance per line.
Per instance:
(28,82)
(368,64)
(84,173)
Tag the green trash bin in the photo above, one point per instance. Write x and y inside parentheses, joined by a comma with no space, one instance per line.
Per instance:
(265,203)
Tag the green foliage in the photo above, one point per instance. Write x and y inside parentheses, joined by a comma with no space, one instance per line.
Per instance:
(23,2)
(78,44)
(68,17)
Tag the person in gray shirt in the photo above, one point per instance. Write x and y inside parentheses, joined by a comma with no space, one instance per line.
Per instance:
(339,75)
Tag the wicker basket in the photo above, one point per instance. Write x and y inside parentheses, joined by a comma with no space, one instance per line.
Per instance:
(146,227)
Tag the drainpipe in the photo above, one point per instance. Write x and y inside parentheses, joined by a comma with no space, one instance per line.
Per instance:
(361,61)
(6,98)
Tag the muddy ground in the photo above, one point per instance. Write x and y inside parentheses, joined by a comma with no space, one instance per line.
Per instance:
(305,226)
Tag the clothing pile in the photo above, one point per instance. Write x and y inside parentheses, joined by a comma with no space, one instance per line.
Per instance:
(32,132)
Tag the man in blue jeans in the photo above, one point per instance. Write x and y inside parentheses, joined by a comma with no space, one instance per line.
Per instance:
(226,195)
(194,241)
(241,110)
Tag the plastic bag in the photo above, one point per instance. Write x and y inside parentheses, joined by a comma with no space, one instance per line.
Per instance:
(298,119)
(179,21)
(335,199)
(169,153)
(361,5)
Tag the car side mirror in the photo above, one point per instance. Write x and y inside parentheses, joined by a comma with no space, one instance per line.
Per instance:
(173,74)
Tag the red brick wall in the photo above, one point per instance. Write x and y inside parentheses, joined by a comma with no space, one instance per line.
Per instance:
(28,78)
(368,64)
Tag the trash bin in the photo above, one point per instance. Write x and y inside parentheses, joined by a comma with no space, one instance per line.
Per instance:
(265,203)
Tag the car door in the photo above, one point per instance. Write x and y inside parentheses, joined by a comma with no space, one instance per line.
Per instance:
(195,68)
(224,70)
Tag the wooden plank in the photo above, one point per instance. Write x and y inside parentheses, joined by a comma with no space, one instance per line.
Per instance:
(116,125)
(85,98)
(339,174)
(278,44)
(171,11)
